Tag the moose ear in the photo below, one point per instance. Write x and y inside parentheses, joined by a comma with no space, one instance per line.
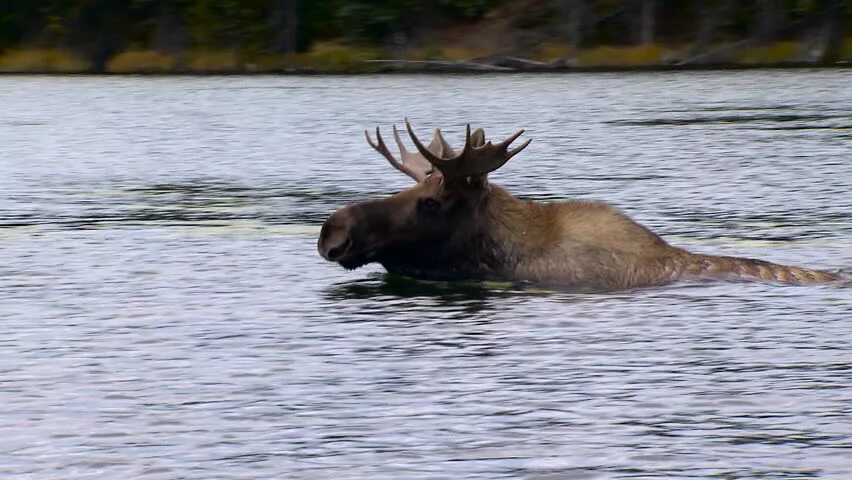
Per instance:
(475,182)
(477,139)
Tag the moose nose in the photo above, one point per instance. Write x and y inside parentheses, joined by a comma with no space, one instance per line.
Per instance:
(334,238)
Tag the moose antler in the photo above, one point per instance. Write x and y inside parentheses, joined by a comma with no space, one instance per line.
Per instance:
(476,158)
(413,164)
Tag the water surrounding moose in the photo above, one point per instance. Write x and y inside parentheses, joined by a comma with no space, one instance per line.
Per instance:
(165,313)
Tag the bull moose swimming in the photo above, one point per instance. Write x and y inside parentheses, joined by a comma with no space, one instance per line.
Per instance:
(455,224)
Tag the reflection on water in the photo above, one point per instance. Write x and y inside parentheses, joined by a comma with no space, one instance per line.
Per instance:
(400,286)
(165,314)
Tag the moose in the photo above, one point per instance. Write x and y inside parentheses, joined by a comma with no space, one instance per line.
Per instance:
(455,224)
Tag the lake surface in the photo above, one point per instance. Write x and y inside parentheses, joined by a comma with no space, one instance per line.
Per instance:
(164,313)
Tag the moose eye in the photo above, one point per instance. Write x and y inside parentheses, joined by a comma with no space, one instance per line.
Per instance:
(430,204)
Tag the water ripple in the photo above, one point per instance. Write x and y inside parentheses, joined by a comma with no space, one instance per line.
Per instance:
(165,314)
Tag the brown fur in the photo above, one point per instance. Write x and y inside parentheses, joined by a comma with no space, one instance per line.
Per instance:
(581,244)
(591,244)
(463,227)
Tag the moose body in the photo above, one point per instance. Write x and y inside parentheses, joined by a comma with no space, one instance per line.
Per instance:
(454,224)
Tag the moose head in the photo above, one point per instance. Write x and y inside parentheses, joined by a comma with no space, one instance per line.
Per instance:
(437,228)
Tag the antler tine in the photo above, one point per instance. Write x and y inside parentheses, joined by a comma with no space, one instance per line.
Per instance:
(414,165)
(508,141)
(446,148)
(382,148)
(402,149)
(480,159)
(431,157)
(515,151)
(436,146)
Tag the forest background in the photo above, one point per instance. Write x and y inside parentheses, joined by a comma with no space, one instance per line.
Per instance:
(241,36)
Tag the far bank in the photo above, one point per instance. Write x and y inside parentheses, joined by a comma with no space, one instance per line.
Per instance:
(331,58)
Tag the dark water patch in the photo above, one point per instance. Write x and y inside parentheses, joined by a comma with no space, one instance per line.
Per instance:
(790,217)
(201,192)
(618,178)
(406,287)
(20,123)
(810,127)
(725,119)
(734,108)
(200,203)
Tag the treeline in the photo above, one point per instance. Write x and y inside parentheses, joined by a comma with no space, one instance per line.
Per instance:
(98,30)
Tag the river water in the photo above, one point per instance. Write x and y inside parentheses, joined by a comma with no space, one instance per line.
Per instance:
(164,313)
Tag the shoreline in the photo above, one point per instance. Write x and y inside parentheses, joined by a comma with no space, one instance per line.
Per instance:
(466,69)
(336,59)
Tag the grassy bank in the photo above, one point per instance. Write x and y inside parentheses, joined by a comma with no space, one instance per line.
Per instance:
(338,58)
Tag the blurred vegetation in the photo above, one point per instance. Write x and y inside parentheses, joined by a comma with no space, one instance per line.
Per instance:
(338,35)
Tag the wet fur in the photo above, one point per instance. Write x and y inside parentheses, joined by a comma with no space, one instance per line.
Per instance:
(580,244)
(593,245)
(481,231)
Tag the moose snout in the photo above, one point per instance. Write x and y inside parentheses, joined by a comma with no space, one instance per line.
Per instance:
(334,237)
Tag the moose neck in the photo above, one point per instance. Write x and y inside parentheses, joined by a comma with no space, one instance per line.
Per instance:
(491,246)
(515,229)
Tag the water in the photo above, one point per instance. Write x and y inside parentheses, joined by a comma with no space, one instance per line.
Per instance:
(165,313)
